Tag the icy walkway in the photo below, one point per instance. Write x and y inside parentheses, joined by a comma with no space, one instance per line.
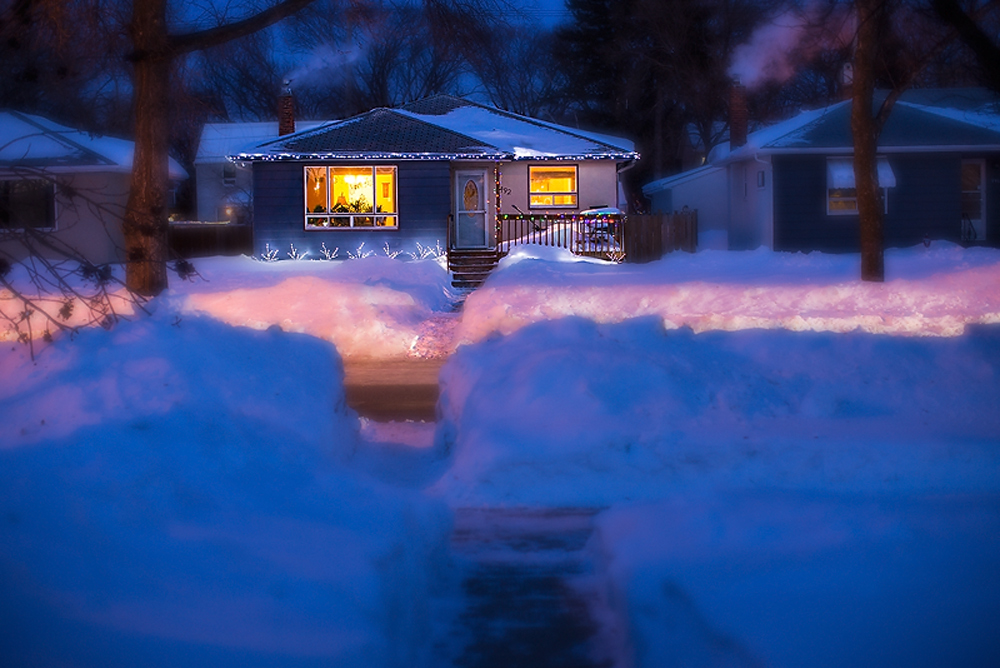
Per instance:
(530,588)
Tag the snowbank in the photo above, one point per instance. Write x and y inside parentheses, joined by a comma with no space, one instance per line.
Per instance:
(369,308)
(928,291)
(570,412)
(768,497)
(174,494)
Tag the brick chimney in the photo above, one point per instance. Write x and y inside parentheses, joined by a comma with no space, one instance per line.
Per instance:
(737,115)
(286,111)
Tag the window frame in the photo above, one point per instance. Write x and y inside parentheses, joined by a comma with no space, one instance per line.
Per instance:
(353,218)
(228,173)
(51,224)
(574,193)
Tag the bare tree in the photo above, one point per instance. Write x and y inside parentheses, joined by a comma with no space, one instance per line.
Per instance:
(153,53)
(56,288)
(971,25)
(898,70)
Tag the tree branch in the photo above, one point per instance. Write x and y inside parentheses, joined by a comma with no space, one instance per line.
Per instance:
(978,41)
(204,39)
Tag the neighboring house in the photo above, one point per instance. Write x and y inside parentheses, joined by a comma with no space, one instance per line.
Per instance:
(438,169)
(791,186)
(70,185)
(224,188)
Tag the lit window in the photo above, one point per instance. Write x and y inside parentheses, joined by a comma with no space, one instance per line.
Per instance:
(27,204)
(553,187)
(842,196)
(350,197)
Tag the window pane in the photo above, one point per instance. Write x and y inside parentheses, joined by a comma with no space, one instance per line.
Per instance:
(313,221)
(387,221)
(553,179)
(27,203)
(316,189)
(352,189)
(843,205)
(971,179)
(385,189)
(541,200)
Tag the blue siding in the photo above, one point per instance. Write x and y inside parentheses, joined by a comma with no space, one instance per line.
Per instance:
(925,201)
(662,201)
(423,190)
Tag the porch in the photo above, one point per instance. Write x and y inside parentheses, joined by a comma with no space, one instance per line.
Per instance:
(610,236)
(605,235)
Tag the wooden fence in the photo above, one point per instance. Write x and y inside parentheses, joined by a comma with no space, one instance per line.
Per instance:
(649,237)
(636,238)
(191,240)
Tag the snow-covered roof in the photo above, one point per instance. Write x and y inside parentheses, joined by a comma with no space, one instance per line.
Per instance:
(523,136)
(910,127)
(442,128)
(220,140)
(678,179)
(27,140)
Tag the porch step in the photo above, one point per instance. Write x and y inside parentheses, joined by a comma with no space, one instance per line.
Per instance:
(470,268)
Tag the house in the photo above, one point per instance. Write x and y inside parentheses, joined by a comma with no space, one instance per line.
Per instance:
(790,186)
(224,188)
(440,170)
(69,185)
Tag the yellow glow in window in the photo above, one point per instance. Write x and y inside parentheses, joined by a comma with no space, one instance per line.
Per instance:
(385,189)
(350,197)
(552,186)
(316,189)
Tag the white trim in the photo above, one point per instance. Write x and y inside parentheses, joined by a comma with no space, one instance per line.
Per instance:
(458,191)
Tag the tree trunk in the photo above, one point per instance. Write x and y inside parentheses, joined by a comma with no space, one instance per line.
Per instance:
(153,51)
(865,129)
(145,223)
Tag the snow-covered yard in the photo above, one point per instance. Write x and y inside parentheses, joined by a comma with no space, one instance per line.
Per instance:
(791,467)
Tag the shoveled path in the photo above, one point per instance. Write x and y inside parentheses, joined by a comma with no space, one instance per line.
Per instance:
(387,390)
(529,588)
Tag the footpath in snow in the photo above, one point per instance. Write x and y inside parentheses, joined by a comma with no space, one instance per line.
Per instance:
(780,465)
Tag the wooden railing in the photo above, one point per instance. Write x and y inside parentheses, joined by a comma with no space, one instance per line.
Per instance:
(595,235)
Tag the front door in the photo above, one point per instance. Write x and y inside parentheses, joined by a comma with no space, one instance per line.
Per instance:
(471,204)
(973,200)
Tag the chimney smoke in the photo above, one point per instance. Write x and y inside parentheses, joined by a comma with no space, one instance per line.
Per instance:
(738,119)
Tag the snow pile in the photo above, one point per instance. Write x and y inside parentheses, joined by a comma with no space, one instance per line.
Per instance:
(174,494)
(929,291)
(783,580)
(83,302)
(570,412)
(373,307)
(765,494)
